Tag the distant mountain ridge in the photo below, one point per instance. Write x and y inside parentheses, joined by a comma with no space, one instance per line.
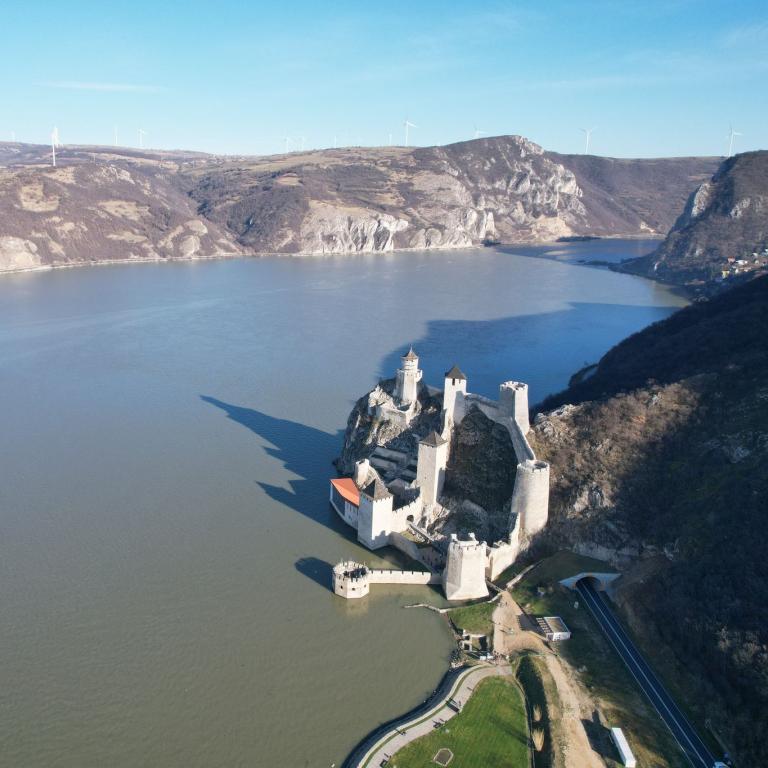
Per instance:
(721,236)
(106,203)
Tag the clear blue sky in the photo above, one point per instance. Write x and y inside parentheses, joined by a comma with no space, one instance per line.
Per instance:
(655,78)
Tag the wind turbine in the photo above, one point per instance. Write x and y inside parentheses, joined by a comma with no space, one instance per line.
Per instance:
(390,138)
(13,136)
(54,143)
(288,141)
(115,135)
(142,134)
(55,136)
(408,124)
(587,137)
(731,134)
(478,133)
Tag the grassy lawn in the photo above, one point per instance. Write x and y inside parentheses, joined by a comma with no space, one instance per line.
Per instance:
(599,669)
(474,618)
(492,730)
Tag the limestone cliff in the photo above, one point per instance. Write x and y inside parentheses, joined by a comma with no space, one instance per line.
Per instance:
(114,204)
(725,218)
(504,188)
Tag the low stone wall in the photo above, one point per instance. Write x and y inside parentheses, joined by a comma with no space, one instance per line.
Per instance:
(378,576)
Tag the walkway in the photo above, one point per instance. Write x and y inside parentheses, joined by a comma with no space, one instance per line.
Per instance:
(422,723)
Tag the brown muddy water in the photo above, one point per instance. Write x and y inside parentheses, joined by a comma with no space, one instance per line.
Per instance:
(165,536)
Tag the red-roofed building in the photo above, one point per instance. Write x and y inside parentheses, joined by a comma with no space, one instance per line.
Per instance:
(345,498)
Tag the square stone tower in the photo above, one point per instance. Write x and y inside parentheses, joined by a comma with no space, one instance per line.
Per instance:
(513,402)
(464,574)
(430,467)
(374,518)
(455,384)
(408,378)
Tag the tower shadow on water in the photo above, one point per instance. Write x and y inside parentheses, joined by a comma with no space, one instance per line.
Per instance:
(304,451)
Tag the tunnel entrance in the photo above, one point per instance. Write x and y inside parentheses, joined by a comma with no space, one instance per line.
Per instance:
(600,581)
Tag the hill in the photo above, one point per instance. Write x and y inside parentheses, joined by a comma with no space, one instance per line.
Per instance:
(107,203)
(661,457)
(721,237)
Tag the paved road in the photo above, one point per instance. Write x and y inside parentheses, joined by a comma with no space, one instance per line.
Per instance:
(388,743)
(693,747)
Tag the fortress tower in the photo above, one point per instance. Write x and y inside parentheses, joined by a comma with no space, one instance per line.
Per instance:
(513,402)
(408,378)
(455,383)
(430,468)
(530,498)
(374,520)
(350,579)
(464,574)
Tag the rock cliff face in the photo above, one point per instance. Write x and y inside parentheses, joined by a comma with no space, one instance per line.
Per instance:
(726,217)
(364,431)
(663,451)
(108,204)
(504,188)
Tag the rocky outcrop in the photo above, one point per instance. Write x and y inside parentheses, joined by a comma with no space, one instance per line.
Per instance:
(482,464)
(103,204)
(365,431)
(721,237)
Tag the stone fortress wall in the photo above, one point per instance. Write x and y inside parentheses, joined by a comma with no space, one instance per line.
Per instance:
(398,513)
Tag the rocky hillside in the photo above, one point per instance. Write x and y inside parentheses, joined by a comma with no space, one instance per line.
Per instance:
(104,204)
(663,451)
(114,209)
(722,235)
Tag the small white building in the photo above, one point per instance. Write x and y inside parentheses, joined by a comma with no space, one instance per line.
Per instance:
(553,628)
(620,740)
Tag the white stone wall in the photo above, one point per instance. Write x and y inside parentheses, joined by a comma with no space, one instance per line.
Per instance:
(402,577)
(500,556)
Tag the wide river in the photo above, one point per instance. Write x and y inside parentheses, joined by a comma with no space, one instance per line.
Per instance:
(165,535)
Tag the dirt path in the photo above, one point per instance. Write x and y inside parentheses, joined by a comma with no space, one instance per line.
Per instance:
(513,632)
(576,706)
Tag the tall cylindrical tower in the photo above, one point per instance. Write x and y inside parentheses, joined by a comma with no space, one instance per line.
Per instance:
(530,498)
(408,378)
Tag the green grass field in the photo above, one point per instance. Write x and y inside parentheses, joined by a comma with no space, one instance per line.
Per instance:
(491,730)
(474,618)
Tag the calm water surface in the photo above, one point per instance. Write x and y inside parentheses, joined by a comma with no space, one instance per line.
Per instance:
(164,530)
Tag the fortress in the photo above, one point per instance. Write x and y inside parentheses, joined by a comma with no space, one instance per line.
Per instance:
(401,510)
